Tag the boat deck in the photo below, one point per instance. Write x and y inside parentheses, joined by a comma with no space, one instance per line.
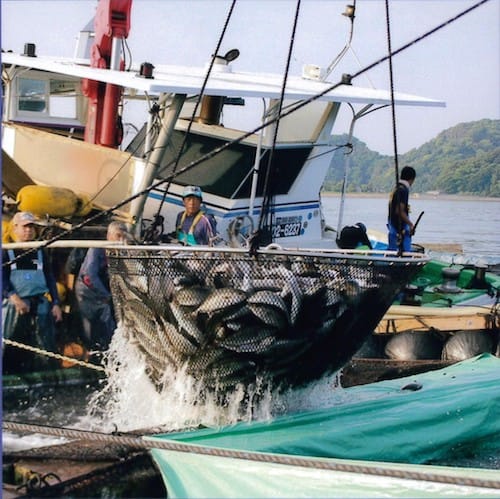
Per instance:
(80,469)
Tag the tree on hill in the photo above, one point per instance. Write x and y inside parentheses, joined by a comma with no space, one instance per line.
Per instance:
(463,159)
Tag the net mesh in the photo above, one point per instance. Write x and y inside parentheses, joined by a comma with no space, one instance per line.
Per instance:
(227,317)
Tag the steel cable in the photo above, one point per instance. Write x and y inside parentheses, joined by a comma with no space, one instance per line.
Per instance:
(140,443)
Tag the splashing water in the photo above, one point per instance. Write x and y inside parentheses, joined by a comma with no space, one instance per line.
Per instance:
(129,400)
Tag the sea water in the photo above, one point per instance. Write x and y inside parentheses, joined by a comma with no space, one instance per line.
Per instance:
(472,223)
(128,401)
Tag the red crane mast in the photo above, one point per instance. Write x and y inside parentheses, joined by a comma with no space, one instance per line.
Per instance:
(112,25)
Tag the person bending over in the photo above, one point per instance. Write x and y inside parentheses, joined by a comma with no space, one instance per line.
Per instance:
(354,236)
(93,292)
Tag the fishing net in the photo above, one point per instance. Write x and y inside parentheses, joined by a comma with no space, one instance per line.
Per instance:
(226,316)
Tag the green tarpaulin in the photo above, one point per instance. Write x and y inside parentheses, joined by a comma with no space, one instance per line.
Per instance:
(445,413)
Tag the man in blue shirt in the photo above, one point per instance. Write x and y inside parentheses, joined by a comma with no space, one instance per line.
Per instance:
(193,227)
(93,293)
(399,224)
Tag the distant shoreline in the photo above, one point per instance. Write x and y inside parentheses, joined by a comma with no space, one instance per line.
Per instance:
(417,195)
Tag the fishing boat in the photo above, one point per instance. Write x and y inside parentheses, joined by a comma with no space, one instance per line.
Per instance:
(447,313)
(272,296)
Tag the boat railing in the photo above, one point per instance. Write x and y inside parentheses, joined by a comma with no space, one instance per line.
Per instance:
(361,254)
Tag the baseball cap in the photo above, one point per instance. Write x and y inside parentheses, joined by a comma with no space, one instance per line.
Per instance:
(23,218)
(192,190)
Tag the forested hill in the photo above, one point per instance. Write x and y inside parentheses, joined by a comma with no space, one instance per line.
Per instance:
(464,159)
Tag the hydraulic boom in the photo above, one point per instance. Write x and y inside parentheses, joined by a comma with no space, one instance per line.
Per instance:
(112,25)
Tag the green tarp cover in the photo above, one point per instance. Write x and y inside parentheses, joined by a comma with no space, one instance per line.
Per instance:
(454,413)
(200,476)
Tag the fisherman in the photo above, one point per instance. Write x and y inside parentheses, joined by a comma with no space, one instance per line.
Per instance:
(31,303)
(354,236)
(399,225)
(93,292)
(193,226)
(74,319)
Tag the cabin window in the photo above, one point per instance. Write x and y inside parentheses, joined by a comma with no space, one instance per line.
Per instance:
(32,95)
(63,99)
(228,174)
(44,99)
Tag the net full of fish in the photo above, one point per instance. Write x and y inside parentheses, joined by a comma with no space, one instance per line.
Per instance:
(227,316)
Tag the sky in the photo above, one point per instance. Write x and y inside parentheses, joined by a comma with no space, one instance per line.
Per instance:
(460,64)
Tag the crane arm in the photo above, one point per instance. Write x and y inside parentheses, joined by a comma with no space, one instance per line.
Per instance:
(112,24)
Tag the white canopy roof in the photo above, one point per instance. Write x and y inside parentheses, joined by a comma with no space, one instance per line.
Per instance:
(223,82)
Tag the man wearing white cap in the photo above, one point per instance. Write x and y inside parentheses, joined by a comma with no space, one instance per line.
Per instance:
(27,279)
(193,227)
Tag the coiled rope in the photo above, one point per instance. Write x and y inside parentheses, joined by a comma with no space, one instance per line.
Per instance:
(138,443)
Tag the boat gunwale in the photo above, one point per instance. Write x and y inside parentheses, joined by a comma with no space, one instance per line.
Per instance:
(391,257)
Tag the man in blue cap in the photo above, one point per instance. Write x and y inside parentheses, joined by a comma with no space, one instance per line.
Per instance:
(193,227)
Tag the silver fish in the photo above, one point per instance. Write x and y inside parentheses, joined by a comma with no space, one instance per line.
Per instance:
(311,286)
(221,300)
(186,325)
(267,283)
(142,316)
(285,351)
(229,369)
(191,297)
(203,359)
(178,342)
(249,340)
(270,316)
(221,275)
(291,287)
(303,268)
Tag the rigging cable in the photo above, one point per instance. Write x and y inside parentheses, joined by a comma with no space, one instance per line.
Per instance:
(394,135)
(391,77)
(247,134)
(266,214)
(200,96)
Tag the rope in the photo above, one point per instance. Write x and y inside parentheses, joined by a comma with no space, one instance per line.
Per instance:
(393,115)
(391,77)
(268,192)
(193,114)
(315,463)
(245,135)
(57,356)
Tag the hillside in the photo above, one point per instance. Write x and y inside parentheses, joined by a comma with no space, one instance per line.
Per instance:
(464,159)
